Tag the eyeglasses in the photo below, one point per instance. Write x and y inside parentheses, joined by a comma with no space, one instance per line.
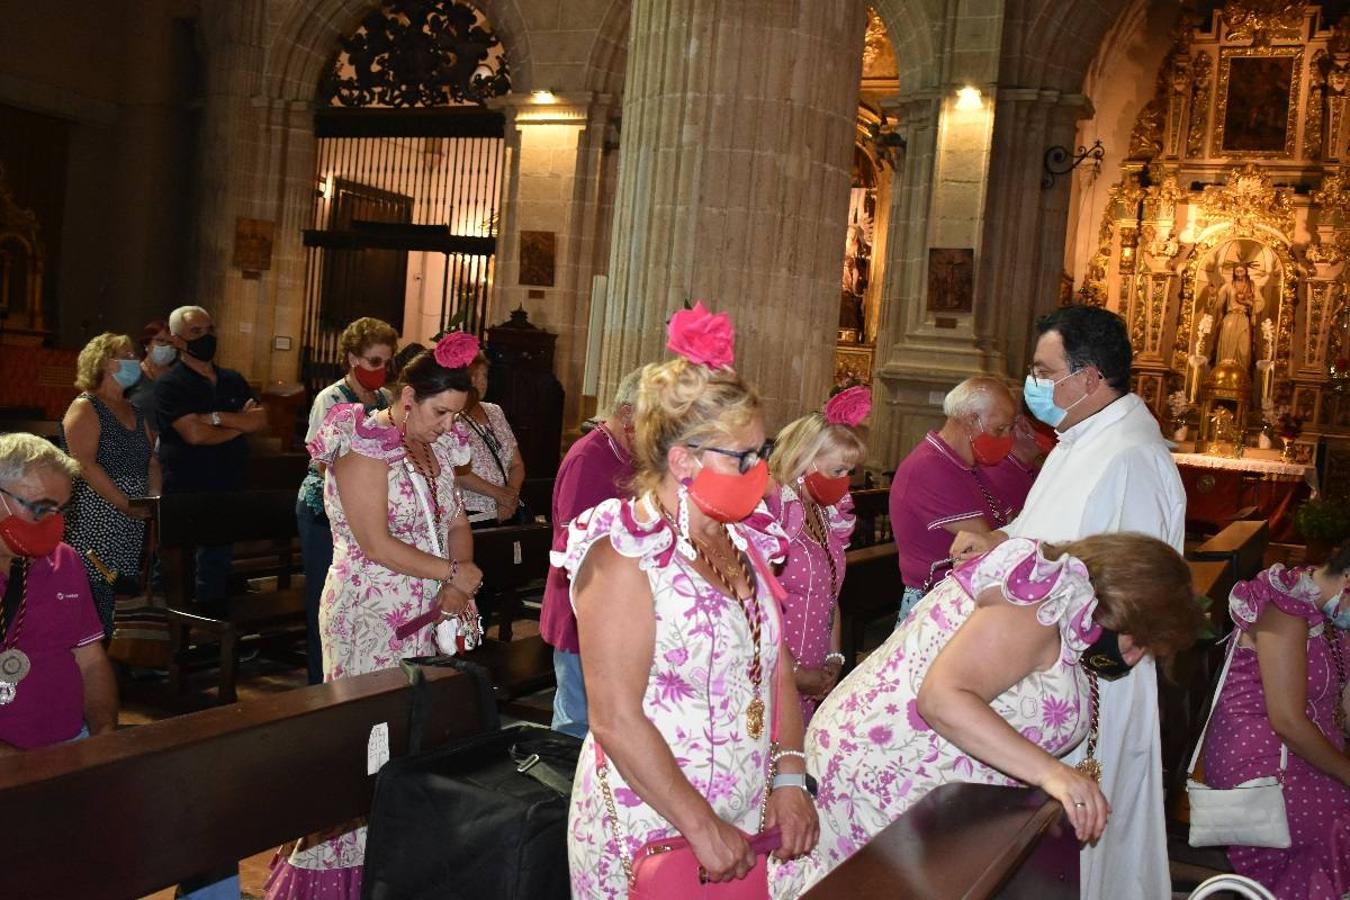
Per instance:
(39,510)
(745,459)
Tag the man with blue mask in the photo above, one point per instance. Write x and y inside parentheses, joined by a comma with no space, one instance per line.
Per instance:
(1111,471)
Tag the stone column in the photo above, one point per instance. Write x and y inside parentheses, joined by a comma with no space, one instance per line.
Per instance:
(735,158)
(555,183)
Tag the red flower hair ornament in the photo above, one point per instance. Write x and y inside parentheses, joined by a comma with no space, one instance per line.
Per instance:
(701,337)
(456,350)
(849,407)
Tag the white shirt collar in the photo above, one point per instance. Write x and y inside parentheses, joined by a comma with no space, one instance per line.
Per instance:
(1103,418)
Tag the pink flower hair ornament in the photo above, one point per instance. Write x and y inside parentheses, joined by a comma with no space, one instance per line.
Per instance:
(704,338)
(849,407)
(456,349)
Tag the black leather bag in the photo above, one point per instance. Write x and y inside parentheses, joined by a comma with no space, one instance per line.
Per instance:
(480,819)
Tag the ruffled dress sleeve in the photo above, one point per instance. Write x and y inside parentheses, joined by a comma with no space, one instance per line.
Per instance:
(348,429)
(1059,588)
(841,520)
(762,531)
(615,519)
(452,448)
(1293,591)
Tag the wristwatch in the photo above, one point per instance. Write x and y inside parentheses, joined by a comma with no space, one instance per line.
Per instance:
(215,418)
(803,781)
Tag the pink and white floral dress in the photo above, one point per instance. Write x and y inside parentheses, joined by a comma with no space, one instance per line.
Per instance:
(696,696)
(363,603)
(872,752)
(811,582)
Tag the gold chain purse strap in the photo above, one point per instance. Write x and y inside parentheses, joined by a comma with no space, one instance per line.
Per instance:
(612,810)
(1091,766)
(1334,648)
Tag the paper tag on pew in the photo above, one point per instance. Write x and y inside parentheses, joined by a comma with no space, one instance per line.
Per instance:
(515,553)
(377,748)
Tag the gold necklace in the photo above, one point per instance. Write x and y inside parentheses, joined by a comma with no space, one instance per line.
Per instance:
(750,608)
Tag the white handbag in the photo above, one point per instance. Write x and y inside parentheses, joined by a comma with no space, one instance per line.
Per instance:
(1251,814)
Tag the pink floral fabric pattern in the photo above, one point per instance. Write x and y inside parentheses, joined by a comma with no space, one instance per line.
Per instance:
(1242,745)
(812,601)
(363,602)
(696,695)
(872,752)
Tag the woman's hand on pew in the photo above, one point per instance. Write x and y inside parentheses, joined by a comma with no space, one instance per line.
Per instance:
(1082,799)
(794,812)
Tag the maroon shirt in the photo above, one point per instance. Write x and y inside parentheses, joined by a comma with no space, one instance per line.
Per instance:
(595,469)
(48,707)
(933,487)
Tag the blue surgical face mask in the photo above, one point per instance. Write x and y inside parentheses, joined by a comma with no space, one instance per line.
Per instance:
(162,354)
(128,373)
(1339,617)
(1039,394)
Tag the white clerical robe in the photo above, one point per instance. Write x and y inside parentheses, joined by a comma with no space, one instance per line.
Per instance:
(1113,472)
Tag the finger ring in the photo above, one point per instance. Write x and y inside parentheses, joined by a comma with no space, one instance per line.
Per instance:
(1079,803)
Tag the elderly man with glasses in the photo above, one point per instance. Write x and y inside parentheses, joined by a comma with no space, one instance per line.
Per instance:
(56,683)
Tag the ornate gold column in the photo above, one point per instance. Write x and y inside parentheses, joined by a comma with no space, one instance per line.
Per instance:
(734,173)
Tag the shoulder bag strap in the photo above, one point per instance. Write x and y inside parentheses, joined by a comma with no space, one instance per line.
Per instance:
(1214,704)
(483,436)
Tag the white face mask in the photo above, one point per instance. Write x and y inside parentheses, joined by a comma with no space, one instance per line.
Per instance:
(1340,618)
(162,354)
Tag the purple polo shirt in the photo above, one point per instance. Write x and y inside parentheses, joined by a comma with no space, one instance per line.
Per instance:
(49,705)
(934,487)
(595,469)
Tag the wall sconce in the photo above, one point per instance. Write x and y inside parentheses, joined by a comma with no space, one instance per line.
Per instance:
(1058,156)
(969,98)
(886,143)
(543,97)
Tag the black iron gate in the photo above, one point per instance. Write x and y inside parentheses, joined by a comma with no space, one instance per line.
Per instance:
(399,191)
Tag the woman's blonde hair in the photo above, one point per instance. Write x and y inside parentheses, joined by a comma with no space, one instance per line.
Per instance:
(679,402)
(364,333)
(804,439)
(1143,589)
(95,355)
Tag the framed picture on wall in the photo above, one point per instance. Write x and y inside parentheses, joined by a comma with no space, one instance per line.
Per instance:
(538,256)
(1258,94)
(951,279)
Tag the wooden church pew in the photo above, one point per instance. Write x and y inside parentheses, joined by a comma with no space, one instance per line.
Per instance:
(969,841)
(125,814)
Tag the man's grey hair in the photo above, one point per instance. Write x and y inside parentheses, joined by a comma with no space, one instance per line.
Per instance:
(178,315)
(21,453)
(974,396)
(626,393)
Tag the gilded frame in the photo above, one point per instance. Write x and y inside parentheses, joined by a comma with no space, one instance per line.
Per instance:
(1226,57)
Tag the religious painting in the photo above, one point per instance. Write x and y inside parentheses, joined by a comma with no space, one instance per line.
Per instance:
(951,280)
(1257,103)
(538,254)
(253,244)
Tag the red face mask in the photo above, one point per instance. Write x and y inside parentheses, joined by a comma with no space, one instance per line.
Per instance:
(990,450)
(826,491)
(371,379)
(729,498)
(32,539)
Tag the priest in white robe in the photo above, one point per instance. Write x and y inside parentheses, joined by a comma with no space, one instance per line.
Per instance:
(1111,471)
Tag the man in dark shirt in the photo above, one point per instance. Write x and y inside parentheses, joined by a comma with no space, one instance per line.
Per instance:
(203,413)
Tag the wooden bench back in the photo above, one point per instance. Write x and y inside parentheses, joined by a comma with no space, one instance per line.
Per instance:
(193,520)
(125,814)
(872,508)
(872,590)
(968,841)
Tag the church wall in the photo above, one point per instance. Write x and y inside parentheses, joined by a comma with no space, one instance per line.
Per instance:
(121,75)
(1119,82)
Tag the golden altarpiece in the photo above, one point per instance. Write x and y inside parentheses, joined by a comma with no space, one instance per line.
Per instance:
(1225,242)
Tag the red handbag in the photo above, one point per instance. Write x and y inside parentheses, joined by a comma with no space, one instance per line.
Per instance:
(668,870)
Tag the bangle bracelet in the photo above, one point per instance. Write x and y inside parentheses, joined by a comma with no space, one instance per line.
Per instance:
(454,571)
(836,656)
(780,755)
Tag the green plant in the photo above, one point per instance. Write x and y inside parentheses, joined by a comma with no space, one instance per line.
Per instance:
(1323,520)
